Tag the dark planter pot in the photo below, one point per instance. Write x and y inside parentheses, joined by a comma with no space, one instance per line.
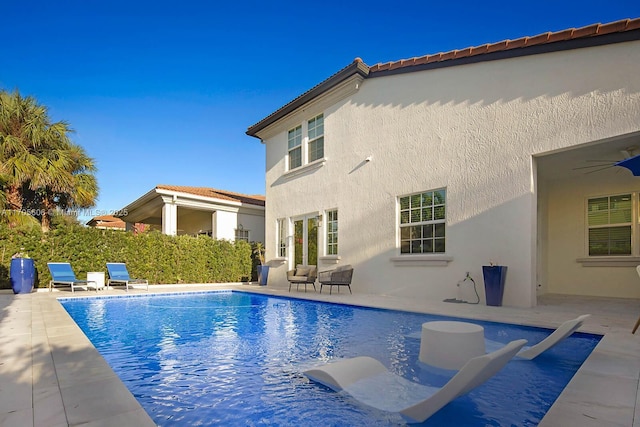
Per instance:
(494,276)
(263,274)
(23,275)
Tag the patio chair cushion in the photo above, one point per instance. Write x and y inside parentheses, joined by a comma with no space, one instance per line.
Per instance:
(302,271)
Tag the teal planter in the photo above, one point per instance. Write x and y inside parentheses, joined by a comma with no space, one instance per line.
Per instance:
(22,273)
(263,274)
(494,277)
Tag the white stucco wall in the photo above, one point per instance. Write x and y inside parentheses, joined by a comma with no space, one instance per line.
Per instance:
(254,223)
(471,129)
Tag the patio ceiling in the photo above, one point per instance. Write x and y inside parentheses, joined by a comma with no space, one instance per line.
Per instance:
(589,159)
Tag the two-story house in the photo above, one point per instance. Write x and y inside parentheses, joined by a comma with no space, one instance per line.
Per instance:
(421,170)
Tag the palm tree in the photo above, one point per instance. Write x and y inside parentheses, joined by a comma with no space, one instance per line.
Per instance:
(64,183)
(42,168)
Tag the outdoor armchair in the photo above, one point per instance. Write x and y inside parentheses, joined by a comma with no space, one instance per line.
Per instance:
(302,274)
(340,276)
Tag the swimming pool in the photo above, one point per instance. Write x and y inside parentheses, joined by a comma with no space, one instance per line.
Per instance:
(236,358)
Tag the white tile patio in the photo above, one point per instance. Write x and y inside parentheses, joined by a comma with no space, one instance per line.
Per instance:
(51,375)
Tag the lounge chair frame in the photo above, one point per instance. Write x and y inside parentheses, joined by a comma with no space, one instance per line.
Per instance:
(62,274)
(119,276)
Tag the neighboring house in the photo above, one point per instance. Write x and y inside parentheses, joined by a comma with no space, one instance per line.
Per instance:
(107,222)
(199,210)
(421,170)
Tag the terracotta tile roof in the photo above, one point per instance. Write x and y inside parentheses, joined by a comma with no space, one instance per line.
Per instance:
(505,45)
(504,48)
(107,221)
(217,194)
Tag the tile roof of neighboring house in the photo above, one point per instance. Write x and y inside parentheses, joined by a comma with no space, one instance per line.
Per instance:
(107,221)
(218,194)
(572,38)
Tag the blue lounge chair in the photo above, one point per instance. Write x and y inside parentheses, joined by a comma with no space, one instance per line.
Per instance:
(62,274)
(118,275)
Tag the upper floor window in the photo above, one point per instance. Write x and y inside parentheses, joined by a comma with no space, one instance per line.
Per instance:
(610,222)
(305,143)
(315,130)
(282,238)
(295,147)
(423,222)
(332,232)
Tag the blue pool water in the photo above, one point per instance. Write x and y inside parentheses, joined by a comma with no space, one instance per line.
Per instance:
(236,358)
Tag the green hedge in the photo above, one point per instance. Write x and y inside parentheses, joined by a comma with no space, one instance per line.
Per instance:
(151,255)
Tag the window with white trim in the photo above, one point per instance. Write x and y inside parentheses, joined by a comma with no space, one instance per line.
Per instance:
(282,238)
(610,223)
(242,234)
(422,220)
(332,232)
(305,143)
(315,132)
(295,147)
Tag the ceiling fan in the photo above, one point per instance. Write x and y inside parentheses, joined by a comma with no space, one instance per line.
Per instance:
(600,165)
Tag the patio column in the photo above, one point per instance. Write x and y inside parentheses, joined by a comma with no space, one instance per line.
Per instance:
(169,219)
(224,224)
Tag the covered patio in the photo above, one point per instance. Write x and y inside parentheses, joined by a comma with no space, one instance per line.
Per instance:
(588,232)
(178,210)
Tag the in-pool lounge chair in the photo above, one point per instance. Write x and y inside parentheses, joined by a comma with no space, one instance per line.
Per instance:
(563,331)
(62,275)
(367,380)
(119,275)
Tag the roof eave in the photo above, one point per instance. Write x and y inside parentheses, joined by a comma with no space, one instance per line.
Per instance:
(356,67)
(571,44)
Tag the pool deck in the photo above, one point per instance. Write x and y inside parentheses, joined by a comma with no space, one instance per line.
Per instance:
(51,375)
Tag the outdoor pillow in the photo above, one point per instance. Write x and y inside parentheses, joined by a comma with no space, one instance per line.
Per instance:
(302,271)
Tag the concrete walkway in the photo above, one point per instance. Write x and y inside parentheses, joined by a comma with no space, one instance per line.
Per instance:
(51,375)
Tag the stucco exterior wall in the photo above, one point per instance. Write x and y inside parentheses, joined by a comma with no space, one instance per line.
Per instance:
(254,223)
(471,129)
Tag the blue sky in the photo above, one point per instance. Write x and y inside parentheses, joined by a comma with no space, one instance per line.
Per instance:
(162,92)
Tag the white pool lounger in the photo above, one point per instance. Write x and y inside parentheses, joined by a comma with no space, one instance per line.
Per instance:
(364,378)
(528,353)
(563,331)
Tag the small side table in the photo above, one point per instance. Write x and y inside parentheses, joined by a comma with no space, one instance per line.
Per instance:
(97,277)
(449,345)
